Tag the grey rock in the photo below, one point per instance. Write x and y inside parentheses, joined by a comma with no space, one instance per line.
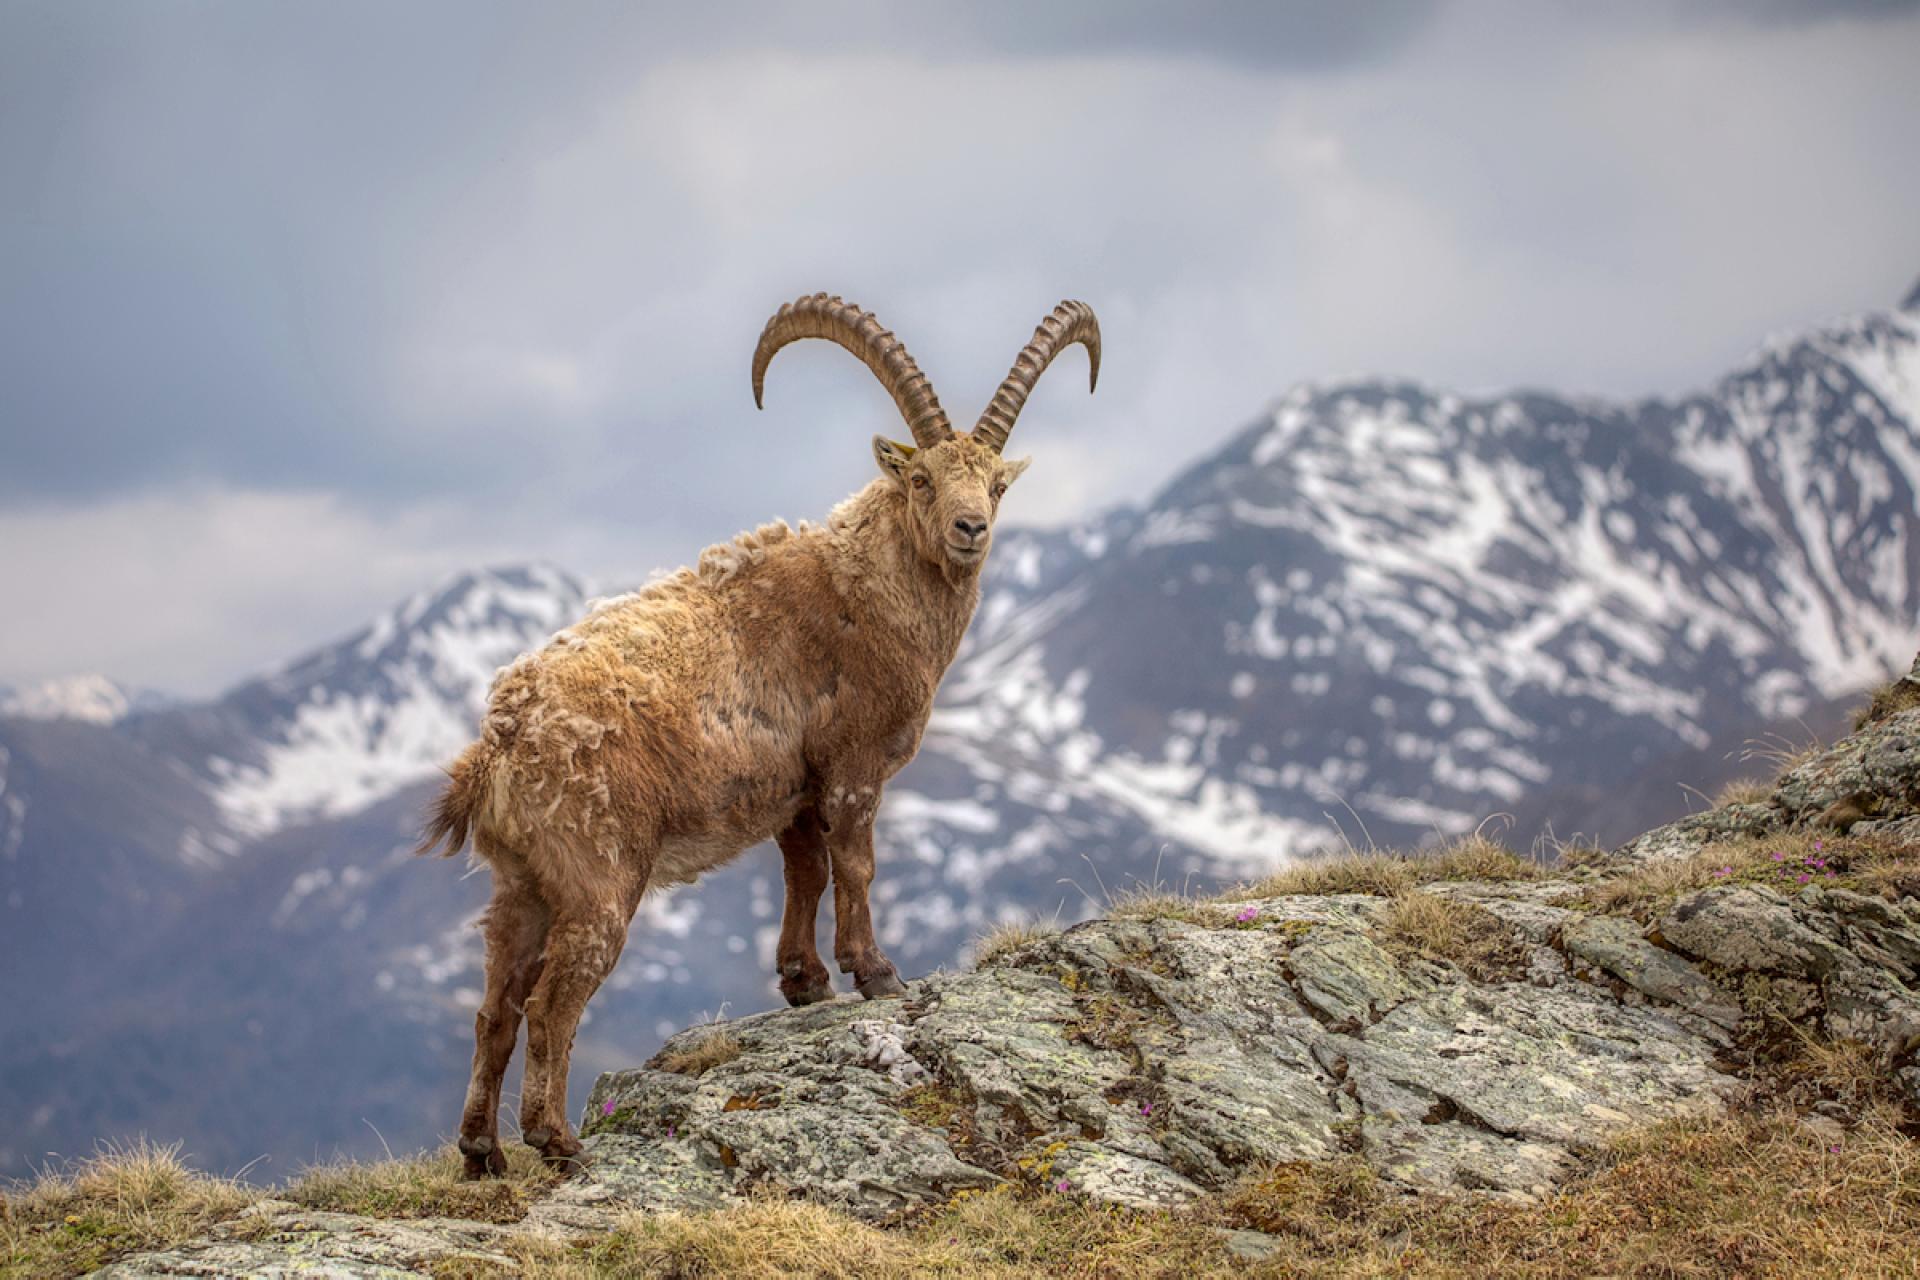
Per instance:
(1531,907)
(1844,959)
(292,1242)
(1680,840)
(1877,766)
(1620,947)
(1145,1063)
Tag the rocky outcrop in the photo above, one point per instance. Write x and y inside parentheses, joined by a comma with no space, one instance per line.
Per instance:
(1150,1061)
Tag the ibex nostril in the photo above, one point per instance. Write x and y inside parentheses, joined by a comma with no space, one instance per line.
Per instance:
(972,528)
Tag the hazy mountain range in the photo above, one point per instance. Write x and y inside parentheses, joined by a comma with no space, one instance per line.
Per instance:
(1381,612)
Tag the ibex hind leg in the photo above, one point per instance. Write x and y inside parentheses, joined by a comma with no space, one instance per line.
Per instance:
(803,977)
(515,925)
(581,951)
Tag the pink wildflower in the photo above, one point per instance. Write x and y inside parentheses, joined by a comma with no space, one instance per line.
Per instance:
(1802,878)
(1779,857)
(1062,1186)
(1247,915)
(606,1108)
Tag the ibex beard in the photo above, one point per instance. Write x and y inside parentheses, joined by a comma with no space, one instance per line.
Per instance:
(770,692)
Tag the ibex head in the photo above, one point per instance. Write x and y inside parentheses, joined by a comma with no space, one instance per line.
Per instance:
(952,481)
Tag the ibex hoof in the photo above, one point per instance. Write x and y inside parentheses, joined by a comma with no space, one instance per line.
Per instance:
(816,994)
(883,987)
(484,1158)
(565,1164)
(560,1150)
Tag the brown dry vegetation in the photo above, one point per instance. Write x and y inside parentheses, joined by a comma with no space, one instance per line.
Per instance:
(1782,753)
(424,1186)
(1787,861)
(122,1200)
(1755,1193)
(1743,791)
(1005,938)
(703,1053)
(1468,937)
(1889,699)
(1386,873)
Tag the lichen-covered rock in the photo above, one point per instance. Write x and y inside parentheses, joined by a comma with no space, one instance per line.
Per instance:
(284,1242)
(1868,778)
(1844,960)
(1620,947)
(1683,839)
(1150,1062)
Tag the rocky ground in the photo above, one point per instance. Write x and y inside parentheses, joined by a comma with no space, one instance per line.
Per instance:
(1471,1023)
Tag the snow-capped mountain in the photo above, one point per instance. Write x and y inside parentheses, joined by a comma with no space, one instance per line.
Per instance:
(359,719)
(92,698)
(1411,609)
(1381,612)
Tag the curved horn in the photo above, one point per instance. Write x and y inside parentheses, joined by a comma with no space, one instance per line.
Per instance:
(1070,322)
(820,316)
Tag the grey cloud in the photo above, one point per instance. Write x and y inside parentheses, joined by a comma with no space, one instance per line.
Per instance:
(463,282)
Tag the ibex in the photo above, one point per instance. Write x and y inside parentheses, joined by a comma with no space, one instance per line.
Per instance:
(768,693)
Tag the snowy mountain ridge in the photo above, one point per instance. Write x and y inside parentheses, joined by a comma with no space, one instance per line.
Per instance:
(92,698)
(389,705)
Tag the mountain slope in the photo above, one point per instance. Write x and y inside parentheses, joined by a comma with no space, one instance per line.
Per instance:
(1382,612)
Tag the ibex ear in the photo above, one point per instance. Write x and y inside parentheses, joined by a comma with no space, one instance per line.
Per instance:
(1011,471)
(893,457)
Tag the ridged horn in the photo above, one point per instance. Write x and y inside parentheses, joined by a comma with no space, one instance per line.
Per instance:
(1070,322)
(821,316)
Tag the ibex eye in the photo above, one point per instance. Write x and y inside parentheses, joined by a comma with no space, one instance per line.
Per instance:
(919,482)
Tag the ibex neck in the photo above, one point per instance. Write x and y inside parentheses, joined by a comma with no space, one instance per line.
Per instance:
(927,604)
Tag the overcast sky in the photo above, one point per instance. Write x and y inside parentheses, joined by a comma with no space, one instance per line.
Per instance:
(302,307)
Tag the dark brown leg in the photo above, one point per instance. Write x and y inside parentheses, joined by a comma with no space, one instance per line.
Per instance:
(854,947)
(515,925)
(581,952)
(803,978)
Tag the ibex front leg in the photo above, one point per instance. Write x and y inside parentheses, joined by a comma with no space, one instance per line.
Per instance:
(850,846)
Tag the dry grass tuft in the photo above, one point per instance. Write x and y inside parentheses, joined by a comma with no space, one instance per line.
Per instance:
(426,1186)
(123,1200)
(711,1048)
(1782,753)
(1787,861)
(1466,936)
(1008,937)
(1743,791)
(1889,699)
(1387,874)
(1477,858)
(1152,902)
(1709,1195)
(999,1234)
(1725,1195)
(1743,1193)
(1381,874)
